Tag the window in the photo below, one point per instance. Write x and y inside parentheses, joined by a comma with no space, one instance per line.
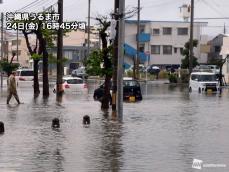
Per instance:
(141,47)
(182,31)
(175,50)
(14,42)
(194,77)
(142,28)
(155,49)
(167,49)
(74,81)
(217,49)
(156,31)
(26,73)
(167,31)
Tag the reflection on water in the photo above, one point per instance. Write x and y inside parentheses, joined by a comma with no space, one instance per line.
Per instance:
(162,133)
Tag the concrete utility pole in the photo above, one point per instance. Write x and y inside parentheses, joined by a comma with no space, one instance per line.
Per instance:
(60,51)
(17,45)
(2,20)
(115,58)
(191,38)
(88,29)
(121,36)
(138,32)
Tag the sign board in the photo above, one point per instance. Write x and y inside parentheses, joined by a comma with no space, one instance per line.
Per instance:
(147,53)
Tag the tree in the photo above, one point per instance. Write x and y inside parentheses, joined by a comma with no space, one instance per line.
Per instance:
(36,56)
(7,66)
(44,40)
(186,52)
(102,57)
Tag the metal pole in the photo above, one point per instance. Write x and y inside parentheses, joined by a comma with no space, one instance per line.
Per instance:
(17,45)
(88,29)
(138,32)
(120,59)
(2,19)
(191,38)
(60,51)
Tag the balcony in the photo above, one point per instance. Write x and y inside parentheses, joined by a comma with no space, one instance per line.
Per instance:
(143,37)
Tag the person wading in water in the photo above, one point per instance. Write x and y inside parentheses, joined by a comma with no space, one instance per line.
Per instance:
(12,90)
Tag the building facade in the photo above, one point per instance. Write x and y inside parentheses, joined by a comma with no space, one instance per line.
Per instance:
(215,47)
(14,44)
(161,42)
(224,55)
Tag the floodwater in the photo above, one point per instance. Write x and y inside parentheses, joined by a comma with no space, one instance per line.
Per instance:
(163,133)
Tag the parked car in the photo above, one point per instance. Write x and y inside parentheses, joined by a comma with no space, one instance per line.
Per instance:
(131,90)
(153,69)
(24,75)
(80,72)
(203,82)
(73,85)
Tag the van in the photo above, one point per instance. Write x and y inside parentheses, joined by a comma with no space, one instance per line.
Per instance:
(203,82)
(24,75)
(80,72)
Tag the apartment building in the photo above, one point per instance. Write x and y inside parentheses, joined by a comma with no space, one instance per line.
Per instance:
(15,45)
(161,42)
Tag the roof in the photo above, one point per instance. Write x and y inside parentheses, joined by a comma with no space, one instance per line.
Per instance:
(202,73)
(25,69)
(70,77)
(127,78)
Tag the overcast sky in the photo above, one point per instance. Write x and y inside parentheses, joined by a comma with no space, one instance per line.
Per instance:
(165,10)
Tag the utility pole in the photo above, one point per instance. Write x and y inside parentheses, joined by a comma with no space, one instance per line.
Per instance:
(138,32)
(88,29)
(191,38)
(115,58)
(121,36)
(17,44)
(2,20)
(59,81)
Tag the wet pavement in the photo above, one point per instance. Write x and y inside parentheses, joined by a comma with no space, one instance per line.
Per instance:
(163,133)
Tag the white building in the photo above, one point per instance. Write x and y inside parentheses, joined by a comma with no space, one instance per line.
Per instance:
(161,42)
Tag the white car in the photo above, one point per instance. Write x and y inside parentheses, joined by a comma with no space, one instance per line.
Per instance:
(73,85)
(203,82)
(24,75)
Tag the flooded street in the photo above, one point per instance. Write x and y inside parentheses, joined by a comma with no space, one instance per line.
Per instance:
(162,133)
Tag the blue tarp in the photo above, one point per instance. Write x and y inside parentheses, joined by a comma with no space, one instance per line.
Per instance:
(132,52)
(143,37)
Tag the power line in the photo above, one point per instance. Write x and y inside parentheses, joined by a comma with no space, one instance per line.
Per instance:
(37,4)
(34,2)
(212,7)
(211,18)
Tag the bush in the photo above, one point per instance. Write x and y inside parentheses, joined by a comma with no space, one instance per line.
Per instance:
(129,73)
(163,75)
(172,78)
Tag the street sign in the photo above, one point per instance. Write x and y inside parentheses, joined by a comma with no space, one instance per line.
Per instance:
(147,53)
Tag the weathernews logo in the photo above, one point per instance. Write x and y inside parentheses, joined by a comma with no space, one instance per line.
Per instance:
(198,164)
